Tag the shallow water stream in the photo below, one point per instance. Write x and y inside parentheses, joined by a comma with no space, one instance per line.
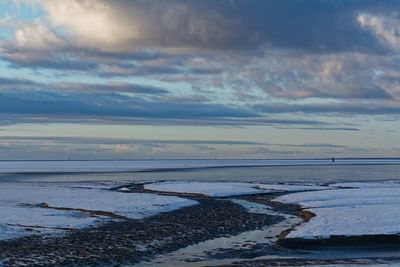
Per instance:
(226,250)
(259,245)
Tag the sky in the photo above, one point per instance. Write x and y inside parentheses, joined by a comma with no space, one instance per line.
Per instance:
(160,79)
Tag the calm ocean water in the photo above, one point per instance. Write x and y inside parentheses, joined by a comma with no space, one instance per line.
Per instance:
(268,171)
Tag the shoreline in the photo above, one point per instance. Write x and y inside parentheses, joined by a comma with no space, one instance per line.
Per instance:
(131,241)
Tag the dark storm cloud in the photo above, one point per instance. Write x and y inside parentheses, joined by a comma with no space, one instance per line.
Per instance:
(317,25)
(313,25)
(192,26)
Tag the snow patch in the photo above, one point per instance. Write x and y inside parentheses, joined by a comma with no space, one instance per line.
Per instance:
(363,209)
(23,213)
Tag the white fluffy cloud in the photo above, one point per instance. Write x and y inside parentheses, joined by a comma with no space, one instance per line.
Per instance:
(129,25)
(385,27)
(37,36)
(93,23)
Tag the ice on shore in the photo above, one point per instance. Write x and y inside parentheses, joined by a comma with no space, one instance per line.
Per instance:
(225,189)
(342,209)
(349,209)
(23,211)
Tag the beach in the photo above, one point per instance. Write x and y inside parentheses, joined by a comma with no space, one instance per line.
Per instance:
(119,222)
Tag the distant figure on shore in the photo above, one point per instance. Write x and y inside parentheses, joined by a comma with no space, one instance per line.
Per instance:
(333,159)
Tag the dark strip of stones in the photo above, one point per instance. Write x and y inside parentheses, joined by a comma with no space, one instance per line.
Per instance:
(364,241)
(124,242)
(140,188)
(309,262)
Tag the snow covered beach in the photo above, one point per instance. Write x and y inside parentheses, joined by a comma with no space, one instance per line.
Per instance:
(132,222)
(127,240)
(363,208)
(57,211)
(28,209)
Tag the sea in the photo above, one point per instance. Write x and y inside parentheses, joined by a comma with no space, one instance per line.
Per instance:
(266,171)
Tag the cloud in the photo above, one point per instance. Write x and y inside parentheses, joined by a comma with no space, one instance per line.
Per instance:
(265,151)
(142,104)
(318,145)
(301,49)
(123,141)
(37,36)
(323,128)
(124,148)
(354,108)
(181,26)
(109,102)
(111,87)
(293,75)
(236,62)
(35,44)
(384,26)
(65,147)
(6,21)
(106,148)
(17,84)
(118,102)
(126,25)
